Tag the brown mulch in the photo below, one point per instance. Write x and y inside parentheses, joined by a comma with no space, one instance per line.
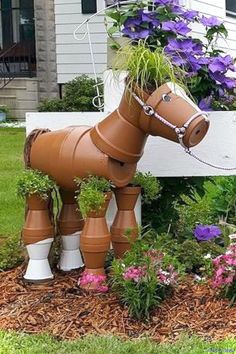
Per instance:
(63,310)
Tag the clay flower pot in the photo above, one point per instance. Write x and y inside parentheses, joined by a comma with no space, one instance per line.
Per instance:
(38,233)
(126,199)
(37,225)
(70,219)
(95,239)
(70,224)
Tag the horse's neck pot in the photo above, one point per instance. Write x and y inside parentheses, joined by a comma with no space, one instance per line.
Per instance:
(119,134)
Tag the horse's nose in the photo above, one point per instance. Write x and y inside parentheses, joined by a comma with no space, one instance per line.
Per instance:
(196,131)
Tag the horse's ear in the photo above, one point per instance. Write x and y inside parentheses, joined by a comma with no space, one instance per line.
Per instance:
(178,90)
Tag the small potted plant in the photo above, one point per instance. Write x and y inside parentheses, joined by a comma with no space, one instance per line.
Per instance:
(93,198)
(38,230)
(125,219)
(3,113)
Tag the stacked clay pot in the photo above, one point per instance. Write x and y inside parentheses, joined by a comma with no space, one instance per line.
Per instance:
(95,239)
(70,224)
(38,233)
(125,219)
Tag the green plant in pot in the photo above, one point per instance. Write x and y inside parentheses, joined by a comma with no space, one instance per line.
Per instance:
(4,110)
(147,67)
(91,195)
(33,182)
(93,198)
(150,186)
(38,230)
(36,188)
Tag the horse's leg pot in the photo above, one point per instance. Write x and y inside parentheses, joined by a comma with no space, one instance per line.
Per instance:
(124,229)
(95,242)
(70,224)
(38,233)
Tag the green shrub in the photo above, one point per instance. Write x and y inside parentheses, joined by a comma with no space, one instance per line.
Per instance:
(78,97)
(79,94)
(224,198)
(195,210)
(52,105)
(162,214)
(11,253)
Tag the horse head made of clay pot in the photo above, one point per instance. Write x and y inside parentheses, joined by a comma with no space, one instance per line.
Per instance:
(171,114)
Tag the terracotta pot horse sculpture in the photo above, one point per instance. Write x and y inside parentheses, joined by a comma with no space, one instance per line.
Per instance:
(110,149)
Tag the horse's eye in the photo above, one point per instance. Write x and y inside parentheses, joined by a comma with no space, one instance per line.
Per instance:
(166,98)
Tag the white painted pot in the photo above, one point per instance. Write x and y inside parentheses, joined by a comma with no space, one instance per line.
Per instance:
(70,255)
(38,268)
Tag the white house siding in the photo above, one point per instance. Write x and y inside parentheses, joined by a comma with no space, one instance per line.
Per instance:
(216,8)
(73,57)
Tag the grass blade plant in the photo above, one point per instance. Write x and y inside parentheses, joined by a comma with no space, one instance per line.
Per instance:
(147,67)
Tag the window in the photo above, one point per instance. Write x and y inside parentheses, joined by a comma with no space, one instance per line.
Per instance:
(231,8)
(89,6)
(112,2)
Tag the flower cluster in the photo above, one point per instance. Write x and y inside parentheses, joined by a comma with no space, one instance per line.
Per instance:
(225,268)
(134,273)
(168,277)
(142,279)
(93,282)
(206,232)
(168,25)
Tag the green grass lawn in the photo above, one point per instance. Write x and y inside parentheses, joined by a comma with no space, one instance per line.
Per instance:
(43,344)
(11,165)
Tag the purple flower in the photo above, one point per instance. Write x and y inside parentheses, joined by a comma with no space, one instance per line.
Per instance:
(133,30)
(149,17)
(210,21)
(206,232)
(190,15)
(184,45)
(177,27)
(222,64)
(226,82)
(166,2)
(186,52)
(205,104)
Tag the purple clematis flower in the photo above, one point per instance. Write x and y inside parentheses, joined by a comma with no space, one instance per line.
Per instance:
(133,30)
(166,2)
(190,15)
(222,64)
(184,45)
(226,82)
(149,17)
(210,21)
(205,104)
(177,27)
(206,232)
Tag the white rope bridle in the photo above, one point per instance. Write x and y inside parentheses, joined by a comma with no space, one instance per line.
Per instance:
(180,131)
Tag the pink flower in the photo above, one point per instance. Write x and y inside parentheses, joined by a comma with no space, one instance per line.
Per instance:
(96,280)
(167,277)
(102,288)
(134,273)
(220,271)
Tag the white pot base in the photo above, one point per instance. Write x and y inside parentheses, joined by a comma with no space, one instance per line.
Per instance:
(70,260)
(38,270)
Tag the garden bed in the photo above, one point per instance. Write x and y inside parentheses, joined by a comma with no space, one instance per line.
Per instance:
(63,310)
